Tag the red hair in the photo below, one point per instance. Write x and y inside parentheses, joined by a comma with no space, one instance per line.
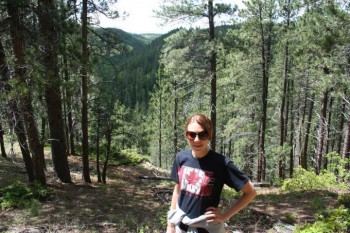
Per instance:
(203,121)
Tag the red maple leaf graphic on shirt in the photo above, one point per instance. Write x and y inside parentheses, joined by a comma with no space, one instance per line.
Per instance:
(192,178)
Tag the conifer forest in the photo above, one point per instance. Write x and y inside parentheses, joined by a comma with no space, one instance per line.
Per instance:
(273,76)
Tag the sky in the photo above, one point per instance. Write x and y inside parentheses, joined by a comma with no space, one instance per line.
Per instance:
(141,17)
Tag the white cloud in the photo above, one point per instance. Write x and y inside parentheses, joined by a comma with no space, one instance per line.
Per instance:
(141,17)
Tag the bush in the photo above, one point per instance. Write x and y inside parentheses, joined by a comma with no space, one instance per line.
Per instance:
(22,195)
(337,165)
(332,221)
(307,180)
(230,194)
(344,200)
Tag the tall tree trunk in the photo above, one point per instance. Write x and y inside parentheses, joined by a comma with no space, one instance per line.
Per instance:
(339,136)
(17,35)
(68,91)
(2,143)
(263,117)
(84,93)
(19,129)
(251,152)
(284,155)
(70,126)
(43,136)
(328,134)
(291,137)
(14,116)
(176,146)
(99,178)
(265,14)
(3,72)
(281,163)
(297,141)
(346,151)
(160,133)
(47,13)
(108,151)
(303,157)
(321,129)
(300,142)
(160,74)
(230,146)
(250,160)
(213,58)
(66,126)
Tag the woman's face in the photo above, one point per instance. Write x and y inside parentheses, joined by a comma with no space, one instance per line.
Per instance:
(197,138)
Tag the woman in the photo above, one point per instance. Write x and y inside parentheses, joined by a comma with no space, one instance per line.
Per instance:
(200,175)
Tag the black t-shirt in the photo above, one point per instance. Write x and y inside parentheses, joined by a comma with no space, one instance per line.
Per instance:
(201,180)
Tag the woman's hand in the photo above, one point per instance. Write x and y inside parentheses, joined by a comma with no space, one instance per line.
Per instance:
(170,229)
(214,214)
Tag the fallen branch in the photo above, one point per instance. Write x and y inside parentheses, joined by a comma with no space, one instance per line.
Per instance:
(261,184)
(154,178)
(164,196)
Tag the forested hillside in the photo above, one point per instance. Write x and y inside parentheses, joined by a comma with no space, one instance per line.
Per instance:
(136,66)
(275,84)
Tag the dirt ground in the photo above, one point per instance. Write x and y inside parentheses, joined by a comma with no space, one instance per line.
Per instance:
(130,204)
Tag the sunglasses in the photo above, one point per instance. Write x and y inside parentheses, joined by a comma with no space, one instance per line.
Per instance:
(203,135)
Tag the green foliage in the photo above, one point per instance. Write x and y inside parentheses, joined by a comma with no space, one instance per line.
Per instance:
(144,229)
(331,221)
(162,216)
(344,200)
(229,194)
(128,157)
(337,164)
(306,180)
(23,195)
(290,218)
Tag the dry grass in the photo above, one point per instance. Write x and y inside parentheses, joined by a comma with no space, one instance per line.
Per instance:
(127,203)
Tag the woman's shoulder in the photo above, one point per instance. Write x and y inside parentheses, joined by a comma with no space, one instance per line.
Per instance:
(183,153)
(217,155)
(220,157)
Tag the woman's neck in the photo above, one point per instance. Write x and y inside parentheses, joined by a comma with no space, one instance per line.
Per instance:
(200,154)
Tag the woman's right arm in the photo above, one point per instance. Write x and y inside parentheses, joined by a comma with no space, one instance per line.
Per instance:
(170,227)
(175,197)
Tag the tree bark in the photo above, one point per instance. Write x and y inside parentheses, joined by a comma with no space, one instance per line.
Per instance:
(339,136)
(281,163)
(346,151)
(84,94)
(14,116)
(321,129)
(47,13)
(265,47)
(328,133)
(303,157)
(68,91)
(2,143)
(99,178)
(108,151)
(213,58)
(17,35)
(291,137)
(160,74)
(175,141)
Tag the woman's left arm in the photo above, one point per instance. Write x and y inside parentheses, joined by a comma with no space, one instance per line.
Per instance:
(214,214)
